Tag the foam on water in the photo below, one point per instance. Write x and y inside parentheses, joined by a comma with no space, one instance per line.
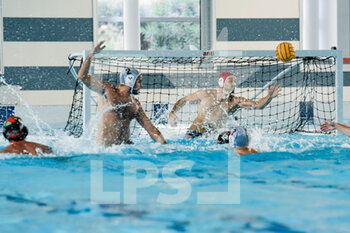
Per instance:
(295,143)
(299,183)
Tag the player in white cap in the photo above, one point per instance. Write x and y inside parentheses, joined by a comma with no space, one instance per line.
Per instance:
(118,104)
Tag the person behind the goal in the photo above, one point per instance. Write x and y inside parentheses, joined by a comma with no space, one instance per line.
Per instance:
(118,105)
(217,104)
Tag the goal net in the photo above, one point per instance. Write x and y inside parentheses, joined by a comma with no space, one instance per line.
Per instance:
(310,87)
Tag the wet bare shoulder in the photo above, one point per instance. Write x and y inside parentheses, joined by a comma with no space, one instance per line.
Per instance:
(208,93)
(37,148)
(111,92)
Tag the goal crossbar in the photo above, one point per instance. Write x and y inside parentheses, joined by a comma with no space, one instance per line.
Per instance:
(206,56)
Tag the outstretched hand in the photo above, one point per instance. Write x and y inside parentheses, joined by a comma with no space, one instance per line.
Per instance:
(275,90)
(327,126)
(98,47)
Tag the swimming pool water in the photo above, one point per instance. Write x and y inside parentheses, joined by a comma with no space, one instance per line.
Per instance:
(299,184)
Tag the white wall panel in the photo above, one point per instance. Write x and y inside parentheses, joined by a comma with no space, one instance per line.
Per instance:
(257,9)
(41,53)
(48,8)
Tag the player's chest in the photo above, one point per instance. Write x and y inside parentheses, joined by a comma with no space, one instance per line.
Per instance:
(125,110)
(216,110)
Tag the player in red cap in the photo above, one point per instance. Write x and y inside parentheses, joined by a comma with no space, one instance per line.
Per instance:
(15,132)
(217,104)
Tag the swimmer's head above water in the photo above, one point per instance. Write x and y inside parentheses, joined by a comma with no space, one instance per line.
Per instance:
(227,81)
(129,77)
(237,137)
(14,130)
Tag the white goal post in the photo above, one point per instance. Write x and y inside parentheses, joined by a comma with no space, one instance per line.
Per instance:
(323,72)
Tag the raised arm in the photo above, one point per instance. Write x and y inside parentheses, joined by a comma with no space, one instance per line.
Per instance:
(330,125)
(181,102)
(146,123)
(263,102)
(91,82)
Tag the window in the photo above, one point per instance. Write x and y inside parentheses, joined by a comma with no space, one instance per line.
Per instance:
(165,24)
(110,23)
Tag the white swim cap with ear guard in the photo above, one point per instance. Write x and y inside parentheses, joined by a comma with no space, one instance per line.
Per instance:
(128,77)
(239,137)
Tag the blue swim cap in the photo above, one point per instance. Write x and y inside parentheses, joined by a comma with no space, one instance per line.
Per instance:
(239,137)
(128,77)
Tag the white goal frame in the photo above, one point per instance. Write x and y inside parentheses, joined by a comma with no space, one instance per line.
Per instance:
(337,54)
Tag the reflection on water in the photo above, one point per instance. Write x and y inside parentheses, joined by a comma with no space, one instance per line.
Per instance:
(299,184)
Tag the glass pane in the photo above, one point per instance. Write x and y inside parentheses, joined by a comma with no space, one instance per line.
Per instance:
(110,26)
(169,8)
(155,34)
(110,8)
(112,33)
(169,36)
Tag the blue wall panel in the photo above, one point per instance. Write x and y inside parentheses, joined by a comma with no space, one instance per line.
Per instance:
(48,29)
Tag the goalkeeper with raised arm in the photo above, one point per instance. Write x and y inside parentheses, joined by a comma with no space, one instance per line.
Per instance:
(217,105)
(118,105)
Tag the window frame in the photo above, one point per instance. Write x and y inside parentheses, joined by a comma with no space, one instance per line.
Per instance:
(152,19)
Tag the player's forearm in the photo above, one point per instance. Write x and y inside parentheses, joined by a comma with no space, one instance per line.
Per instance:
(158,137)
(84,70)
(178,105)
(263,102)
(342,128)
(153,132)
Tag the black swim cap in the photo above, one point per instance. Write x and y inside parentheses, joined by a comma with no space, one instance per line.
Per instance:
(223,138)
(14,130)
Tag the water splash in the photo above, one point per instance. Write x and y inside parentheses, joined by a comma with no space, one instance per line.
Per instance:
(38,122)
